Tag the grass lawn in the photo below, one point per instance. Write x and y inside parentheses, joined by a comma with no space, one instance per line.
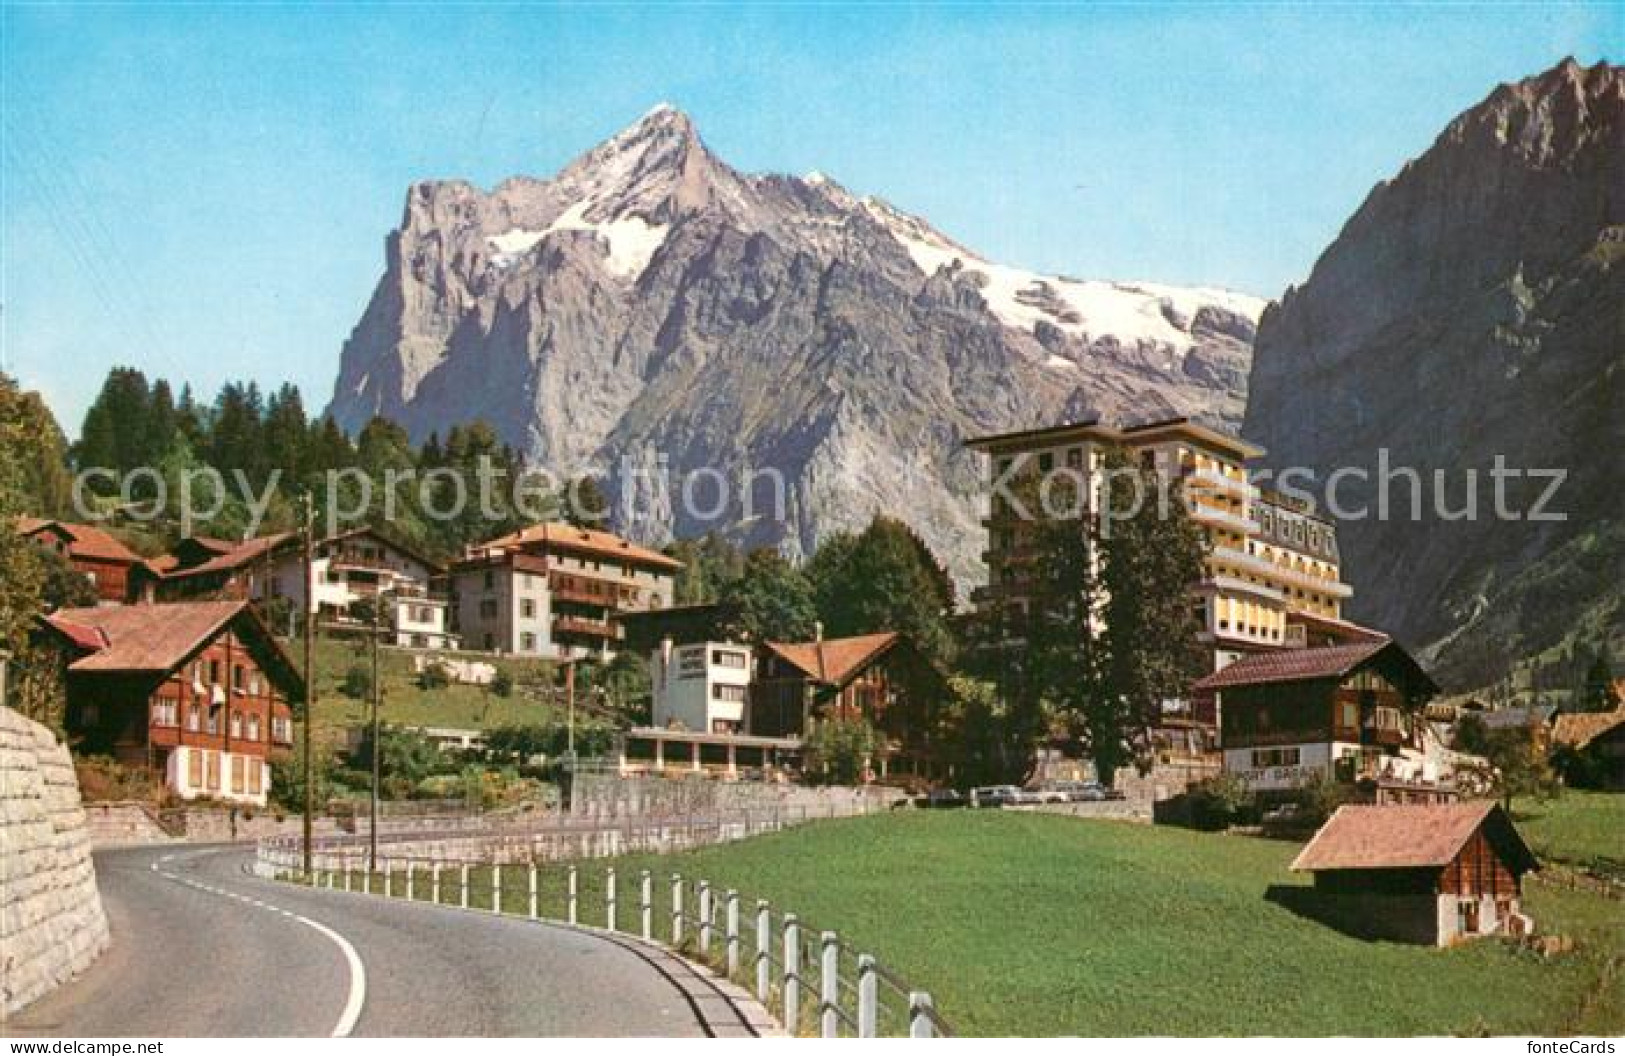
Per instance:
(1577,827)
(405,703)
(1043,925)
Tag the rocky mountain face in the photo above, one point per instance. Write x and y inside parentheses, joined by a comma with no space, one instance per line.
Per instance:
(1473,308)
(650,312)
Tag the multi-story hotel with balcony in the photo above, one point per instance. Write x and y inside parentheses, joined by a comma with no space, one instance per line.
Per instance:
(552,591)
(1272,579)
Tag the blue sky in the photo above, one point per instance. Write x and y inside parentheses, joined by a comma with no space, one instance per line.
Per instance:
(203,192)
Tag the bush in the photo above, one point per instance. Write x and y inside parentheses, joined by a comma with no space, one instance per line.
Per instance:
(1219,800)
(103,780)
(434,676)
(839,750)
(502,684)
(357,683)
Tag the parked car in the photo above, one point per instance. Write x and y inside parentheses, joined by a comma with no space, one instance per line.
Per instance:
(1085,792)
(1053,794)
(994,796)
(1025,797)
(943,798)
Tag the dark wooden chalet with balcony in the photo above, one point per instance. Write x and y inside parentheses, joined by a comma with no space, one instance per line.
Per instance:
(879,678)
(1352,713)
(1434,874)
(199,692)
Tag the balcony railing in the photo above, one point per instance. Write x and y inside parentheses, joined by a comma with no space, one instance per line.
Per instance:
(577,625)
(1254,563)
(1205,479)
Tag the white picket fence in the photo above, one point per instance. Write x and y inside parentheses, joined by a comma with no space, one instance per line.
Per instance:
(813,981)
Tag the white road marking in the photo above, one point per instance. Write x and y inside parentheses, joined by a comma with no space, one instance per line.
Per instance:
(357,997)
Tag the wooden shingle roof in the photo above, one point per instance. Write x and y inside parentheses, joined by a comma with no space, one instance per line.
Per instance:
(581,540)
(84,540)
(1408,837)
(834,661)
(1578,729)
(1294,665)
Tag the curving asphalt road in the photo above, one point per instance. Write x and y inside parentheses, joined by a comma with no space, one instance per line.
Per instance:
(201,948)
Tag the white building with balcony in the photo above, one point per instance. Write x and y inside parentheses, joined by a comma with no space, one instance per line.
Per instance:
(702,687)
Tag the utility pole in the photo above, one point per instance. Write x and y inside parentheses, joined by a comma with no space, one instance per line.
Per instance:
(307,597)
(570,699)
(377,745)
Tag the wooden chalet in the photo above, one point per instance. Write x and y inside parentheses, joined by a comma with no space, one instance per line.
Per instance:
(198,691)
(881,678)
(89,550)
(1352,713)
(1595,743)
(1434,874)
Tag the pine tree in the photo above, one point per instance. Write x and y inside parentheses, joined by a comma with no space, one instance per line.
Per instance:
(1148,564)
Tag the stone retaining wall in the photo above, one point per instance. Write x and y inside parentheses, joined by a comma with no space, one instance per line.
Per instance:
(51,921)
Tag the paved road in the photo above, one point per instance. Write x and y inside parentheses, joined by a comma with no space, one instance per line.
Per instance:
(202,948)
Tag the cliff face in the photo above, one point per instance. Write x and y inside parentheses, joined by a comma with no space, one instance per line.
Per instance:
(650,311)
(1472,309)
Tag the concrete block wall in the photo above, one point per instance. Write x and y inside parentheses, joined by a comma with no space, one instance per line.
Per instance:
(51,921)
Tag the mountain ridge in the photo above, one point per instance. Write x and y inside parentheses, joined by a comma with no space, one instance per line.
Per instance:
(1473,306)
(649,299)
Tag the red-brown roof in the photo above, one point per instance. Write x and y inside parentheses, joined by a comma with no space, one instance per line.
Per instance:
(836,660)
(242,554)
(1293,665)
(583,540)
(84,540)
(1578,729)
(144,637)
(1408,837)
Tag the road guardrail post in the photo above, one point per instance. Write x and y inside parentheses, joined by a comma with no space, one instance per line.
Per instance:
(646,904)
(609,898)
(676,909)
(462,876)
(764,949)
(919,1016)
(389,878)
(496,888)
(868,997)
(532,891)
(411,880)
(732,934)
(705,918)
(572,913)
(792,973)
(434,882)
(829,987)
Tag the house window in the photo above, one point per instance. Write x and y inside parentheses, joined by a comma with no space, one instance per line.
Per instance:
(728,658)
(238,681)
(527,609)
(527,642)
(194,769)
(253,727)
(1046,461)
(194,720)
(730,694)
(236,724)
(488,609)
(490,580)
(1267,757)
